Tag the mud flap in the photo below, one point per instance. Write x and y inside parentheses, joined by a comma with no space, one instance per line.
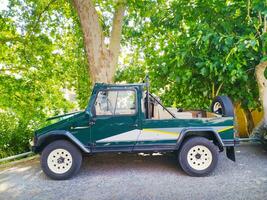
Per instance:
(230,153)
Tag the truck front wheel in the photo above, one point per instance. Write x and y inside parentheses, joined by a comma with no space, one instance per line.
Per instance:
(198,156)
(61,160)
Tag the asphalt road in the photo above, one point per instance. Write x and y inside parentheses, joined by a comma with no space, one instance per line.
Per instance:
(130,176)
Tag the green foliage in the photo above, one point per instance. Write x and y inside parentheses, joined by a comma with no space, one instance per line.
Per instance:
(41,56)
(14,134)
(193,50)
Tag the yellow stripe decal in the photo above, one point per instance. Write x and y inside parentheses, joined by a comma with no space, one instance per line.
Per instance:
(161,132)
(225,129)
(173,133)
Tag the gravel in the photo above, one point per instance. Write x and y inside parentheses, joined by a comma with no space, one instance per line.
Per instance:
(132,176)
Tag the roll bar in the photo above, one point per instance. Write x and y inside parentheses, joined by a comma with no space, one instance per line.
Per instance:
(148,95)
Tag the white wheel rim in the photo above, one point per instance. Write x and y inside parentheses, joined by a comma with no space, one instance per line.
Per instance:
(199,157)
(59,161)
(216,107)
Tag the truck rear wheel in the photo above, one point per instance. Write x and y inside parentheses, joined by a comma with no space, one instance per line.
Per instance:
(198,156)
(60,160)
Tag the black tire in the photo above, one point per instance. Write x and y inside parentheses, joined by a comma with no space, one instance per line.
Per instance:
(186,162)
(227,108)
(70,149)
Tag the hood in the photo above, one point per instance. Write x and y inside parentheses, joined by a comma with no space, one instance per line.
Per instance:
(64,116)
(62,122)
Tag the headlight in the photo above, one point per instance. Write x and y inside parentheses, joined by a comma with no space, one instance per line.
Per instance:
(32,143)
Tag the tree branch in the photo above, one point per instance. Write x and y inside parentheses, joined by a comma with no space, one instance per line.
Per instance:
(116,33)
(212,90)
(265,24)
(248,11)
(219,88)
(41,13)
(93,35)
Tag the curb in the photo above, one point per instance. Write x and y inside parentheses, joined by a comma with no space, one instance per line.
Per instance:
(17,162)
(16,156)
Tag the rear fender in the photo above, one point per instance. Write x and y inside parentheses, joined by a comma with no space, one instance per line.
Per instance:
(202,132)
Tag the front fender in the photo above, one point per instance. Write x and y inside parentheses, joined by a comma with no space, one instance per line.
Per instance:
(42,140)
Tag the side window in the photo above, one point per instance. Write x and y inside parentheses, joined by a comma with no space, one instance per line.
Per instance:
(126,102)
(105,102)
(115,102)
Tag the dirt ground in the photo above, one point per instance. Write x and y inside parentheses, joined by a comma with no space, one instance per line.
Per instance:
(132,176)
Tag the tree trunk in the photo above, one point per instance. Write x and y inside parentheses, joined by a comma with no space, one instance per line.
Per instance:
(250,122)
(260,130)
(115,38)
(101,59)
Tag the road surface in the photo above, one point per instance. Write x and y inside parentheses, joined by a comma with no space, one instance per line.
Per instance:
(130,176)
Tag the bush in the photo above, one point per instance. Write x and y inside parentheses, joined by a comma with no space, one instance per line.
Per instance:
(15,134)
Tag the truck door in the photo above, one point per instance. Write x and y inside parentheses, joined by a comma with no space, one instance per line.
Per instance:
(115,121)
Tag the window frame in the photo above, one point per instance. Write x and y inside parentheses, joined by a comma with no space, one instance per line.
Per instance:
(119,89)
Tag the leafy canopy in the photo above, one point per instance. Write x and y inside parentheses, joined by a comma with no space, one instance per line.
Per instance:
(194,50)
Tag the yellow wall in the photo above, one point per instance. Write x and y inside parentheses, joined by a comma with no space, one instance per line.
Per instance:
(241,120)
(257,116)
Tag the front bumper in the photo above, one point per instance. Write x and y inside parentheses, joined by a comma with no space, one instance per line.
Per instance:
(34,147)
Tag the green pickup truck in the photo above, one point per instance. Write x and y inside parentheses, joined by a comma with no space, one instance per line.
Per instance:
(128,118)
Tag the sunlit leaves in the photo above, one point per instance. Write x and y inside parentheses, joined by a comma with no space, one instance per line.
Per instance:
(41,56)
(191,47)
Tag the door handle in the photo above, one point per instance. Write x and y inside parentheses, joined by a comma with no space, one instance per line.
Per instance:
(135,125)
(91,123)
